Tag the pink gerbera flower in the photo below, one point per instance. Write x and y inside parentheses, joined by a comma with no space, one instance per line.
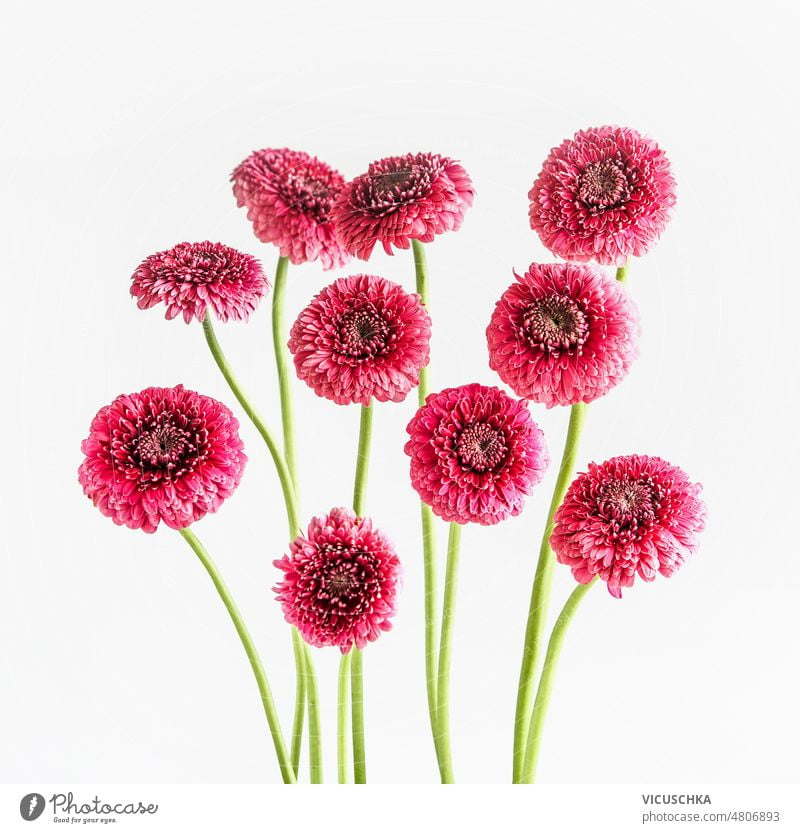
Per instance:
(163,454)
(402,198)
(361,337)
(604,195)
(630,515)
(475,454)
(191,277)
(289,196)
(563,333)
(340,582)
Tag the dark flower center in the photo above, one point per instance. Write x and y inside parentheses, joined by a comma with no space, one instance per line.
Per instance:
(392,181)
(395,182)
(163,446)
(342,580)
(481,447)
(554,323)
(630,506)
(312,196)
(198,265)
(363,333)
(604,184)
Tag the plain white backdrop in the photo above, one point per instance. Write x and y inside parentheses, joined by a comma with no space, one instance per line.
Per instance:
(119,127)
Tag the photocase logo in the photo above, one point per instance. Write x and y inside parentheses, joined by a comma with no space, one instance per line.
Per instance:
(31,806)
(66,808)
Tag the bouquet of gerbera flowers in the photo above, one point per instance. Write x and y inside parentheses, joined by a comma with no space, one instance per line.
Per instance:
(562,334)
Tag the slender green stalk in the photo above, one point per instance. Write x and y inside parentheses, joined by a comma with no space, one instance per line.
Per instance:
(314,727)
(283,365)
(542,582)
(546,680)
(284,473)
(356,663)
(287,773)
(342,715)
(540,593)
(279,341)
(421,272)
(362,462)
(303,664)
(431,614)
(300,701)
(357,685)
(428,531)
(445,652)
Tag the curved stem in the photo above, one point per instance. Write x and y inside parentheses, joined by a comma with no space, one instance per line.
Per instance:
(540,593)
(282,364)
(303,664)
(542,582)
(300,701)
(284,761)
(546,680)
(284,474)
(357,685)
(445,652)
(428,530)
(341,717)
(279,341)
(431,614)
(362,462)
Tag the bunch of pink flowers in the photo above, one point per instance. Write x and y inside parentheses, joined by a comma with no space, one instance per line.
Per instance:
(564,333)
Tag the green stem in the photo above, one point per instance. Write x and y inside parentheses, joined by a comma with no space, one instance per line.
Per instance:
(284,761)
(284,474)
(300,701)
(341,716)
(428,530)
(357,685)
(303,665)
(362,461)
(279,342)
(541,586)
(421,272)
(282,363)
(356,663)
(314,727)
(546,680)
(445,652)
(540,593)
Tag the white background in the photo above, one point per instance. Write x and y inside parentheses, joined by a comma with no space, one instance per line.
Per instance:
(119,127)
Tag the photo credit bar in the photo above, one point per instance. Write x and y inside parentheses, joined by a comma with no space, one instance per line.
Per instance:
(174,808)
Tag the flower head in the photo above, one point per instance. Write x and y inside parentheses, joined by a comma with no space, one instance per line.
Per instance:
(604,195)
(475,454)
(340,582)
(402,198)
(163,454)
(361,337)
(630,515)
(563,333)
(191,277)
(289,195)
